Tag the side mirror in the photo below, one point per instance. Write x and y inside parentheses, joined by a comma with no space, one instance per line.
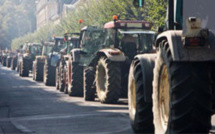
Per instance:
(138,3)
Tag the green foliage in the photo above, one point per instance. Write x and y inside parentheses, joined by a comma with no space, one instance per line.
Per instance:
(156,12)
(16,19)
(98,12)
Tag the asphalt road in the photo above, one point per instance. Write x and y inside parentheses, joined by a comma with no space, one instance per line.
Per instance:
(29,107)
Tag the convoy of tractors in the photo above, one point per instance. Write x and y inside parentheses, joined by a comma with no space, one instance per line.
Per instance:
(168,75)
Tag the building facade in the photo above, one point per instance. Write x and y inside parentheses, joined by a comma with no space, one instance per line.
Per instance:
(50,11)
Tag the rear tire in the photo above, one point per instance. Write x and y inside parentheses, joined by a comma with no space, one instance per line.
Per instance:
(108,81)
(89,87)
(181,95)
(140,111)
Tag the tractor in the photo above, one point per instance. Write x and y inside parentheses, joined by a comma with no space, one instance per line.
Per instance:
(72,42)
(107,75)
(25,60)
(81,57)
(172,90)
(51,62)
(38,64)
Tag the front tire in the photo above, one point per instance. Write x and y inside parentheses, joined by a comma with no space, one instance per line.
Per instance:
(89,87)
(8,62)
(76,80)
(108,81)
(24,68)
(61,77)
(140,111)
(181,95)
(49,74)
(38,71)
(13,63)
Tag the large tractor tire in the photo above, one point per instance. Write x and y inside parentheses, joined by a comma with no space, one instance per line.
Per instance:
(76,80)
(8,62)
(89,87)
(4,61)
(108,81)
(38,71)
(13,63)
(49,73)
(24,68)
(181,95)
(213,86)
(61,77)
(140,111)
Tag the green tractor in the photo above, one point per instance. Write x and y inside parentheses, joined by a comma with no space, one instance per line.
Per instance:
(25,60)
(38,64)
(80,57)
(172,90)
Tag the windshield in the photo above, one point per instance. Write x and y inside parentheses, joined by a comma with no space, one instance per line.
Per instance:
(47,49)
(59,44)
(142,40)
(146,42)
(36,49)
(92,41)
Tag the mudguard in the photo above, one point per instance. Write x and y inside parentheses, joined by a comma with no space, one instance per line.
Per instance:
(113,54)
(75,54)
(181,53)
(55,58)
(147,62)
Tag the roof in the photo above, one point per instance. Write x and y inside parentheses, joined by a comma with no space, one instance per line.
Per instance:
(89,28)
(48,44)
(34,44)
(128,24)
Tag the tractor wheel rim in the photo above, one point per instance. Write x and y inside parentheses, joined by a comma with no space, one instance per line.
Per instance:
(133,97)
(102,78)
(164,96)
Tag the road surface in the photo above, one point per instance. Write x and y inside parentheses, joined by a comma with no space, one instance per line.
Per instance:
(27,106)
(30,107)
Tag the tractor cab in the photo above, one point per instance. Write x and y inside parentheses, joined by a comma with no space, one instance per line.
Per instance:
(131,37)
(72,41)
(32,49)
(59,44)
(47,48)
(91,40)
